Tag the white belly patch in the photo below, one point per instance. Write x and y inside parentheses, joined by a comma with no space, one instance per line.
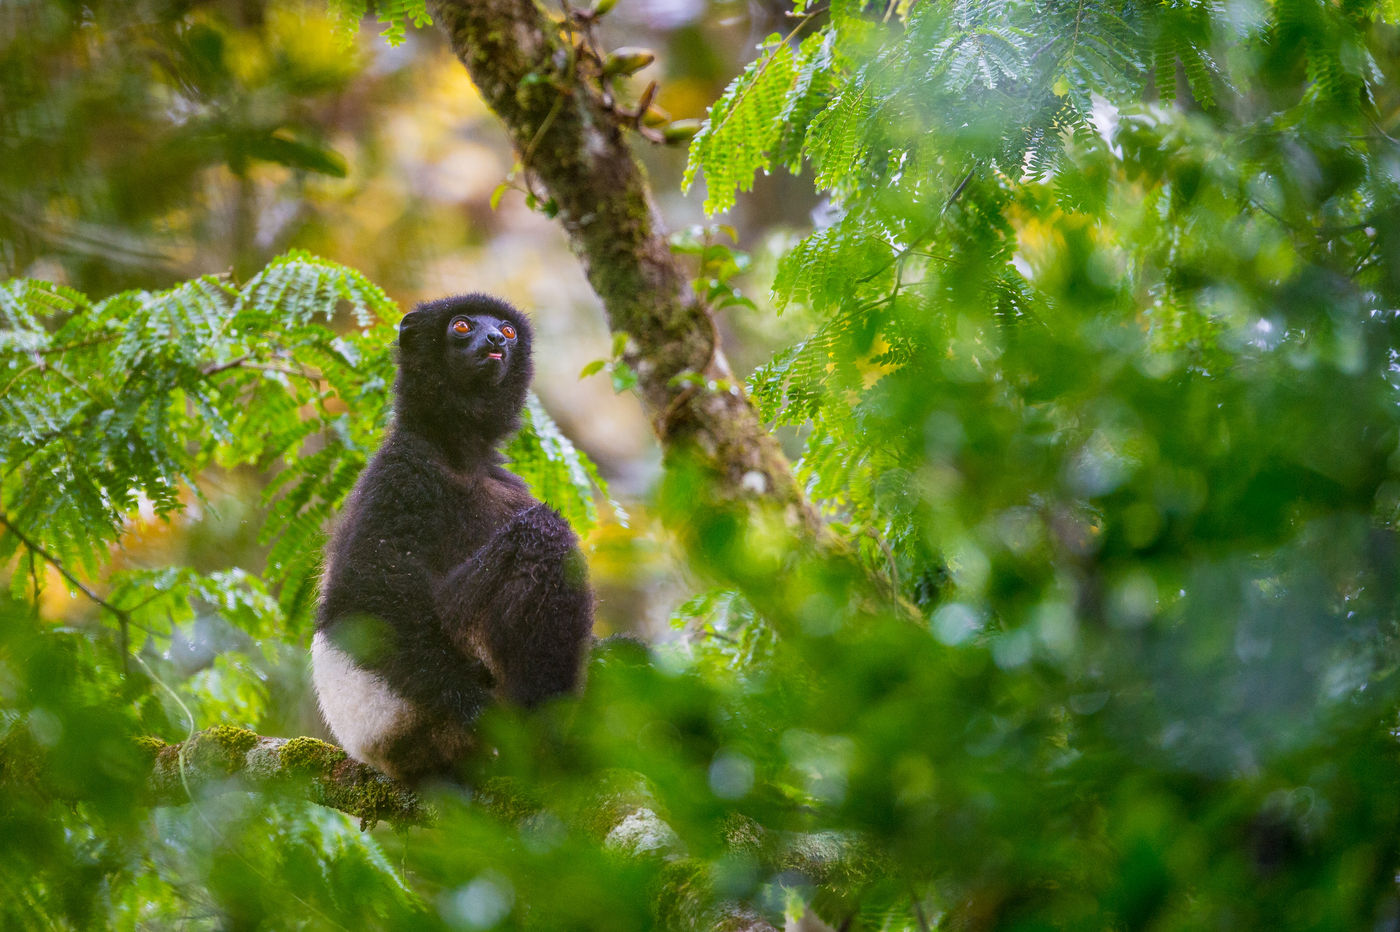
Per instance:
(358,705)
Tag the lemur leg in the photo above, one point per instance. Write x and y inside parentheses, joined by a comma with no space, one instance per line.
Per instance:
(523,603)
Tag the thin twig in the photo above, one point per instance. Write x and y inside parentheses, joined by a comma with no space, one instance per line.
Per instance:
(123,617)
(902,254)
(92,341)
(214,368)
(21,374)
(1365,257)
(246,362)
(889,558)
(919,913)
(806,18)
(58,565)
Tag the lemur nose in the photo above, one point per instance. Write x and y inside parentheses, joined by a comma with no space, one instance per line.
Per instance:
(496,338)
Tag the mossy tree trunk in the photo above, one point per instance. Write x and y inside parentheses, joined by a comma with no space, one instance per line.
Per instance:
(572,145)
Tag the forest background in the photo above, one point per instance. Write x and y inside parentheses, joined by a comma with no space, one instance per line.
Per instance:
(1076,321)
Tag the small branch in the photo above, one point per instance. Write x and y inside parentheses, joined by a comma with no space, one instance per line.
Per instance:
(123,615)
(622,816)
(891,568)
(80,344)
(53,561)
(904,253)
(803,20)
(214,368)
(246,362)
(18,375)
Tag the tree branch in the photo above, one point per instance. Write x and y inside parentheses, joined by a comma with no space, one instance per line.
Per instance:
(622,814)
(53,561)
(227,758)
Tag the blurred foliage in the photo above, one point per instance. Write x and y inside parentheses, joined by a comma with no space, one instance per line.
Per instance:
(393,15)
(129,128)
(1103,371)
(1100,370)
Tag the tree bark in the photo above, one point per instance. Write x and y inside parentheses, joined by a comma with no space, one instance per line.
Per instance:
(571,144)
(226,758)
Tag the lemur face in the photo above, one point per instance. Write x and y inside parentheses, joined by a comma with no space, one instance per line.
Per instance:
(481,346)
(464,365)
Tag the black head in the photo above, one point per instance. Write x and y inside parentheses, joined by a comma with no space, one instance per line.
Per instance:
(464,369)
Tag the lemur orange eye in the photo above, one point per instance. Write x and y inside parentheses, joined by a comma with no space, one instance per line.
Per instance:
(509,331)
(461,326)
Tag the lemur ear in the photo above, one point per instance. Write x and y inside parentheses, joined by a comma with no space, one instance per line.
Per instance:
(411,327)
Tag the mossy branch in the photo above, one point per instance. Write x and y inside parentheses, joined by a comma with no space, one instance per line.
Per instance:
(227,758)
(622,815)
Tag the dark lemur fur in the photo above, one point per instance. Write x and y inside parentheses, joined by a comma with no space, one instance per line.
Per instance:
(447,585)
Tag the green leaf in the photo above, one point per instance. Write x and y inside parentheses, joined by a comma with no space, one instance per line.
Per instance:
(280,149)
(623,378)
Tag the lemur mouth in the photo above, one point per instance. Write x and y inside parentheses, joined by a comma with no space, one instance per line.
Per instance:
(493,356)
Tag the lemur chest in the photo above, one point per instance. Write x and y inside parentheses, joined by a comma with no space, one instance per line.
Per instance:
(474,510)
